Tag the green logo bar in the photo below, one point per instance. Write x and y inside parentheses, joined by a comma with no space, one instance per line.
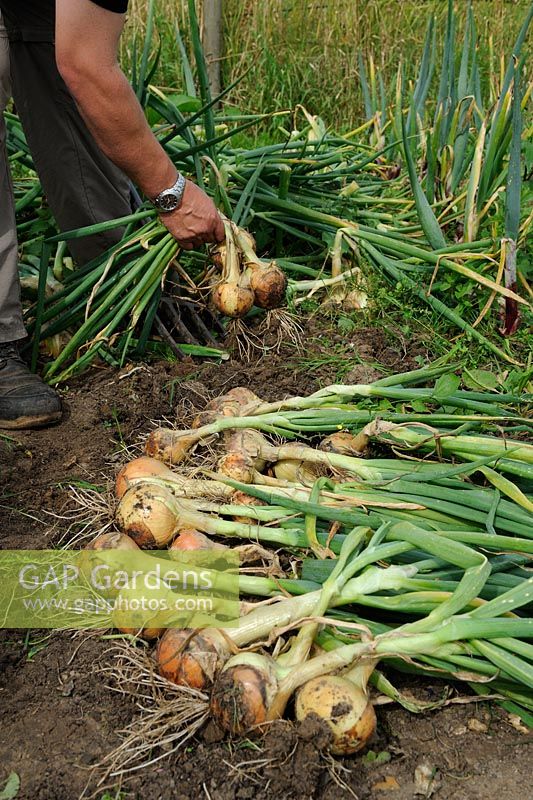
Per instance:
(129,590)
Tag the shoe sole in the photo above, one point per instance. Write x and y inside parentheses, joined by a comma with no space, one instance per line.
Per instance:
(30,422)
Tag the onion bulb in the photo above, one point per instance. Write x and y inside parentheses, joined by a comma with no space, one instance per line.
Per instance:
(343,706)
(243,396)
(269,284)
(242,459)
(267,281)
(147,514)
(294,471)
(232,296)
(146,633)
(169,446)
(112,541)
(126,600)
(143,467)
(249,442)
(345,443)
(233,299)
(191,658)
(244,692)
(191,540)
(237,466)
(223,406)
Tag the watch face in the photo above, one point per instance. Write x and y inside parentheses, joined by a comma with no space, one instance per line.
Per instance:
(167,201)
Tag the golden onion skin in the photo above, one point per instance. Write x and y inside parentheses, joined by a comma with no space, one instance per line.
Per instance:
(145,633)
(233,300)
(248,442)
(345,443)
(145,513)
(192,540)
(223,406)
(237,466)
(243,396)
(244,692)
(191,658)
(269,285)
(143,467)
(343,706)
(168,446)
(112,541)
(294,471)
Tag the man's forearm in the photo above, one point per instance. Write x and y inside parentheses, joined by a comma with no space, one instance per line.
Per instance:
(112,113)
(87,39)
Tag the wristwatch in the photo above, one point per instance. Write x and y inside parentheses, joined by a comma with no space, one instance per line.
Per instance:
(170,199)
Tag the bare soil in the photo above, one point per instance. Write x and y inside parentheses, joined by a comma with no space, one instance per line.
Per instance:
(58,717)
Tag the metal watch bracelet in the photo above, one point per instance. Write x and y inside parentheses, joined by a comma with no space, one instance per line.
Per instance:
(170,199)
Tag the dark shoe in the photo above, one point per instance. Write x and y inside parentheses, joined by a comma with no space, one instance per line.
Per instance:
(25,401)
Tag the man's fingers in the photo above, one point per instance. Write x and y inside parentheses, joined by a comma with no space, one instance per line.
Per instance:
(202,231)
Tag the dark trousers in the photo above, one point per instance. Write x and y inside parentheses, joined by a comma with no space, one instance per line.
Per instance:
(81,185)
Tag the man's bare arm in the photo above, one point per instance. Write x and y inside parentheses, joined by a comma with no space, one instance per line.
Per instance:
(87,38)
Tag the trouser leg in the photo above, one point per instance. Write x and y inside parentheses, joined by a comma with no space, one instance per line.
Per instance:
(11,325)
(80,183)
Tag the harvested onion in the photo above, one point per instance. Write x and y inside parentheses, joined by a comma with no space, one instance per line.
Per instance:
(146,633)
(343,706)
(169,446)
(294,471)
(243,396)
(243,692)
(147,514)
(249,442)
(233,295)
(267,281)
(269,284)
(112,541)
(191,658)
(233,300)
(143,467)
(237,466)
(345,443)
(242,460)
(224,407)
(191,540)
(230,404)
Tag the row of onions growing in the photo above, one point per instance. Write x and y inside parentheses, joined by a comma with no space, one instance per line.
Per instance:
(425,194)
(405,543)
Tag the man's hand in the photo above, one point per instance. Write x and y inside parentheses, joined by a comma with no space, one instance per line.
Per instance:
(196,221)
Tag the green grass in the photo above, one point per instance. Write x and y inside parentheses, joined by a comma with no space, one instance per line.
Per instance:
(307,53)
(118,795)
